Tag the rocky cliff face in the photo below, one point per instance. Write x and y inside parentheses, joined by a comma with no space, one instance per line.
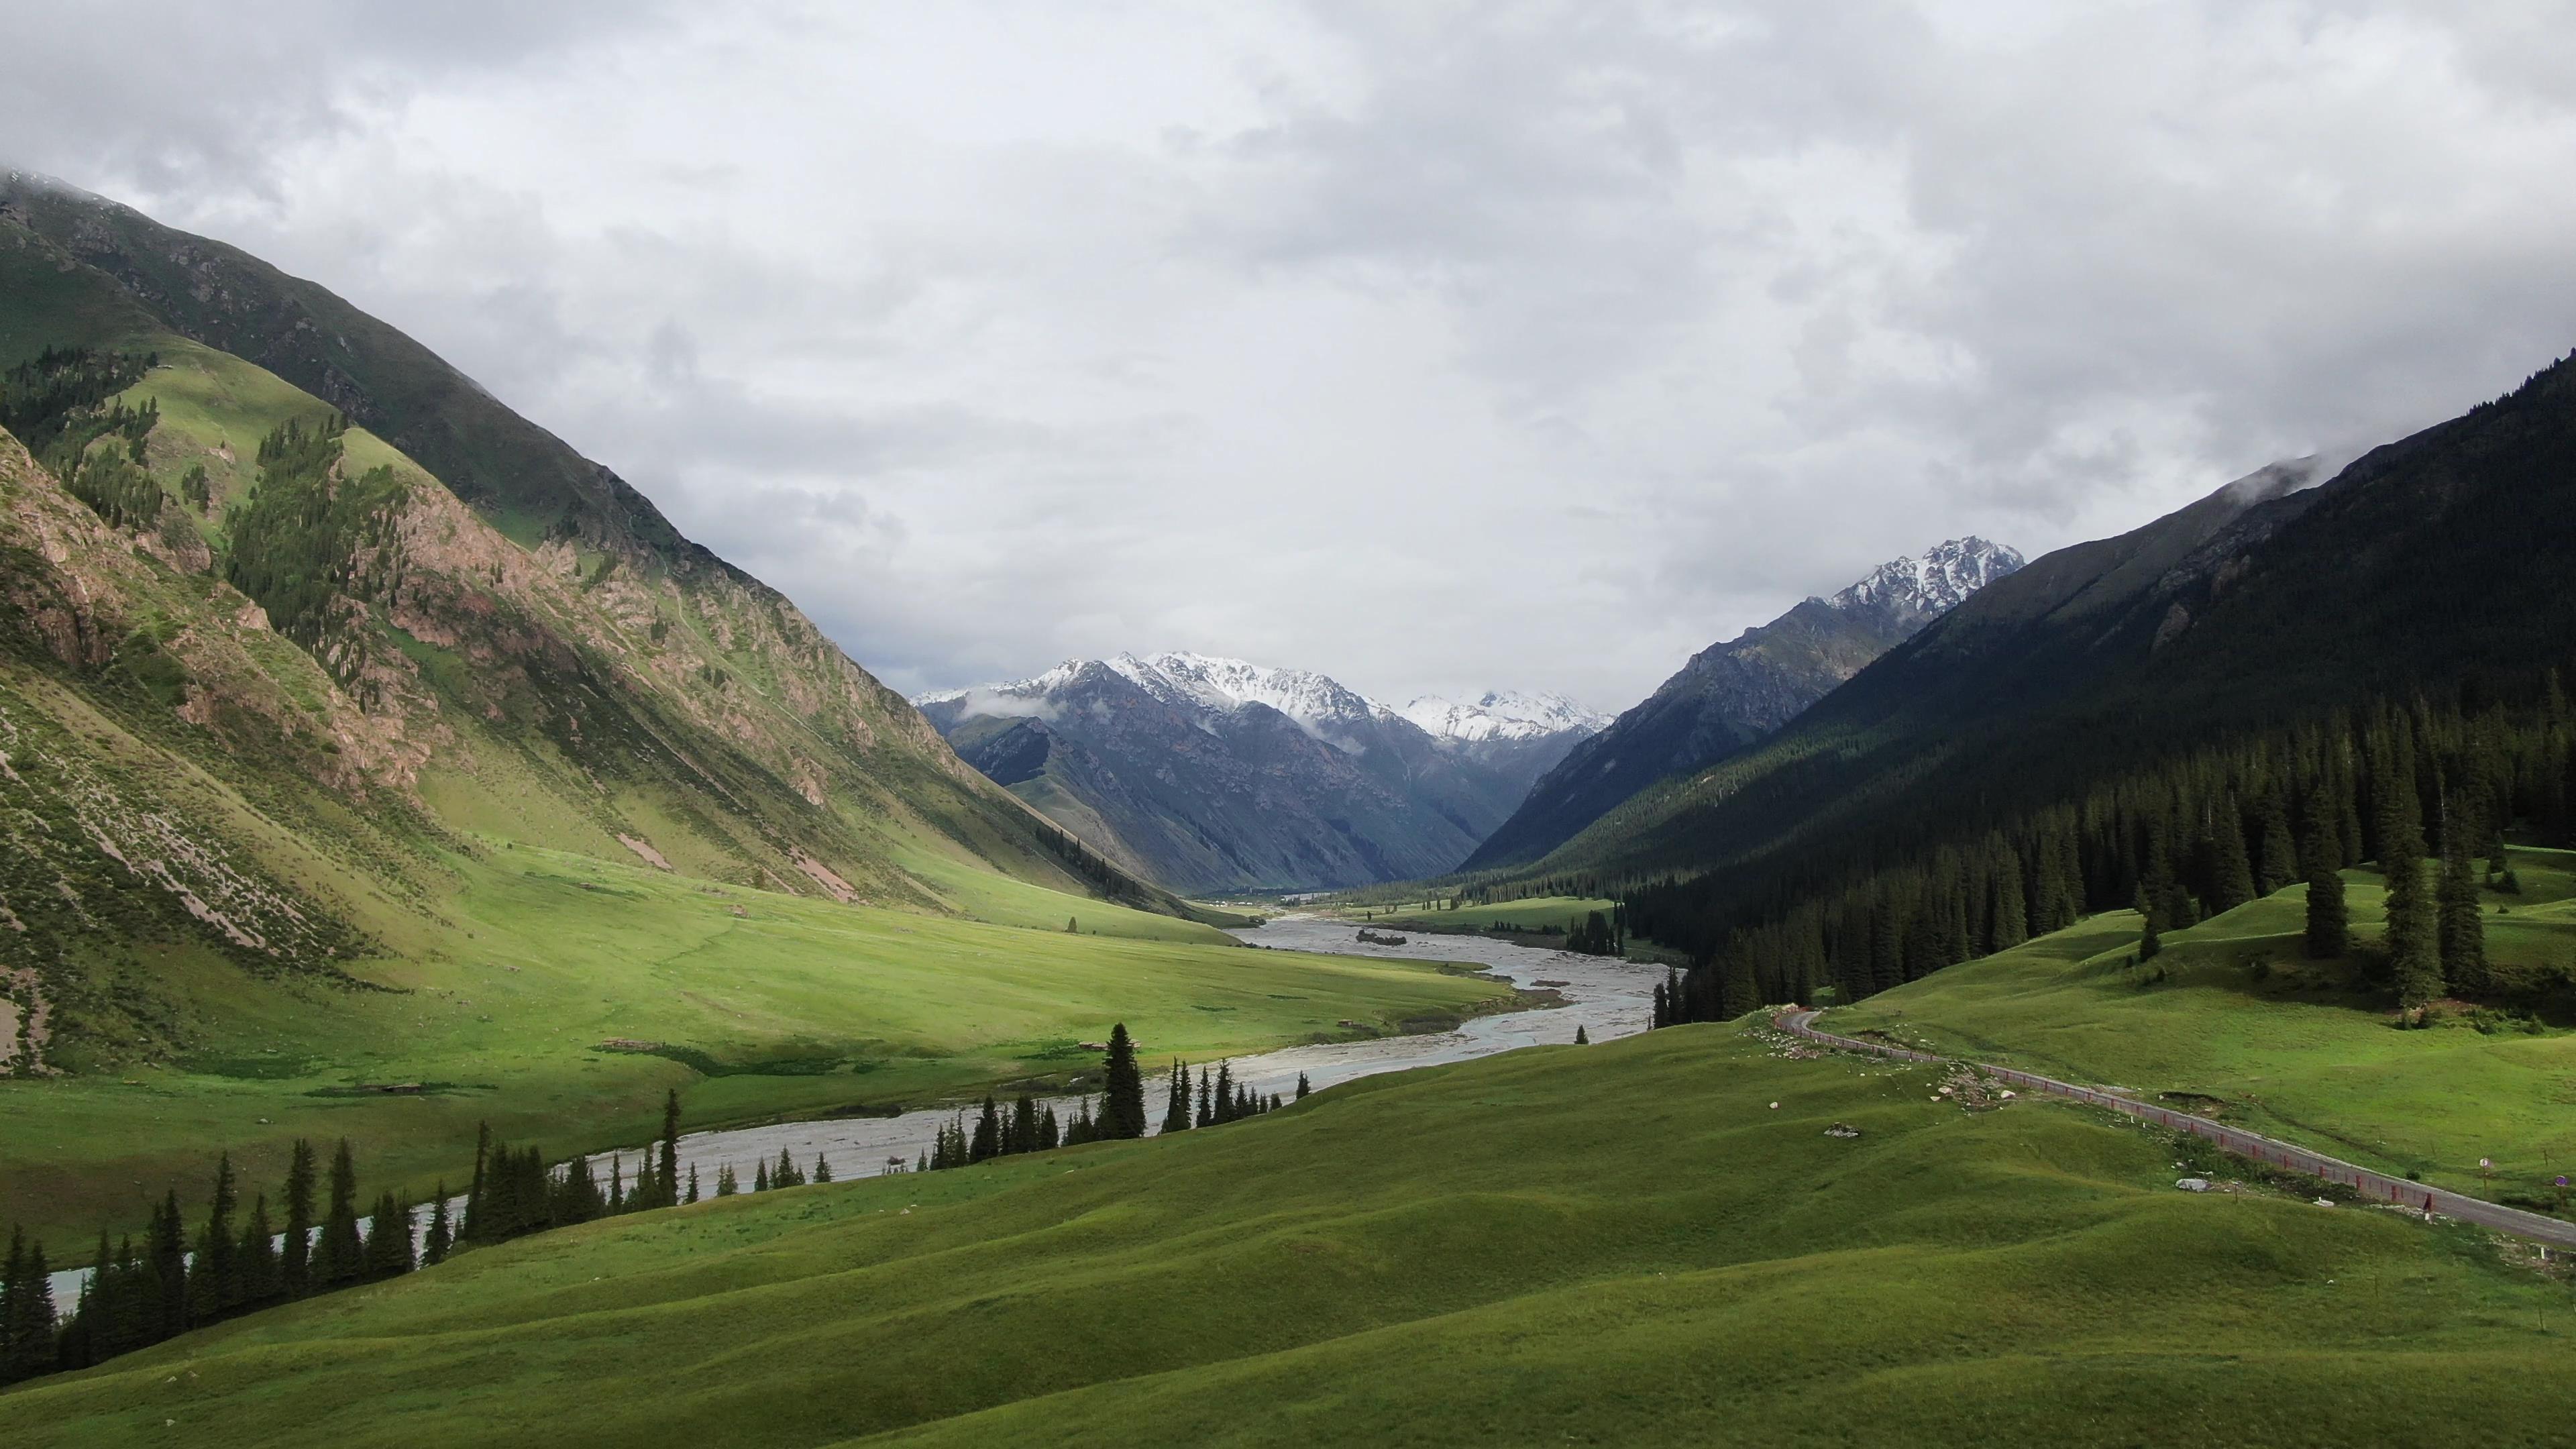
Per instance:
(1735,693)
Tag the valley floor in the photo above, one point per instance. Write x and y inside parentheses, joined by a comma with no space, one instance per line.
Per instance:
(1652,1241)
(566,994)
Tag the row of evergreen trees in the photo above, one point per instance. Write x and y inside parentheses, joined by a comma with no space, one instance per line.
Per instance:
(1203,1099)
(2179,838)
(242,1261)
(236,1261)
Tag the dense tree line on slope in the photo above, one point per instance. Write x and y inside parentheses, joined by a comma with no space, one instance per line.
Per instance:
(60,405)
(2179,838)
(1455,891)
(308,542)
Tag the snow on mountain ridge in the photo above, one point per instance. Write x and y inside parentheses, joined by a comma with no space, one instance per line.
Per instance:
(1503,714)
(1938,581)
(1204,686)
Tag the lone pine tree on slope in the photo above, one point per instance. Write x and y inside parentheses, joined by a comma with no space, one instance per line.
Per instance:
(1122,1111)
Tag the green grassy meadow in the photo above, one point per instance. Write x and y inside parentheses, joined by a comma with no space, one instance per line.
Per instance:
(1617,1244)
(2231,1012)
(768,1005)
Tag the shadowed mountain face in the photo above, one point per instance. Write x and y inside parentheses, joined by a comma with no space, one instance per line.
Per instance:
(1213,774)
(1733,694)
(2432,567)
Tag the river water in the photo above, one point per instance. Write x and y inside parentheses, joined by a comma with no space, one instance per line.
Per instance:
(1604,996)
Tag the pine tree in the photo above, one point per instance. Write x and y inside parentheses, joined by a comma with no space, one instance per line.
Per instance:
(388,1239)
(2412,957)
(1023,1134)
(1049,1134)
(2150,941)
(1304,1090)
(441,1237)
(726,1186)
(668,1178)
(1122,1109)
(166,1273)
(26,1311)
(987,1142)
(1225,1093)
(1206,1116)
(786,1174)
(295,1256)
(2231,873)
(822,1169)
(1176,1106)
(693,1183)
(477,1224)
(255,1257)
(1581,1038)
(340,1256)
(2329,923)
(2276,860)
(2461,929)
(760,1176)
(213,1287)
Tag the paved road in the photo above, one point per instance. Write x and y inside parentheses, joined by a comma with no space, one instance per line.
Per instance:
(2262,1149)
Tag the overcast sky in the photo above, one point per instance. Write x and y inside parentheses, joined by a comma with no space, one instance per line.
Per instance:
(1434,346)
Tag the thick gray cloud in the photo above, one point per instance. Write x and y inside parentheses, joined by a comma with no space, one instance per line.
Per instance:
(1438,346)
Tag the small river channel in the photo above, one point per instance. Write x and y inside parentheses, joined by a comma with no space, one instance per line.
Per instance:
(1604,996)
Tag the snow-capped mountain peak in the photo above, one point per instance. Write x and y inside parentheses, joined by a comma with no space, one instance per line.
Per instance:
(1935,583)
(1320,706)
(1503,714)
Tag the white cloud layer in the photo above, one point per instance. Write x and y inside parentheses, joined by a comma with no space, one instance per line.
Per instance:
(1439,347)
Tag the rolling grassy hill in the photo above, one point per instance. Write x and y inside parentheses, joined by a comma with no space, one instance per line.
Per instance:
(1619,1244)
(2231,1017)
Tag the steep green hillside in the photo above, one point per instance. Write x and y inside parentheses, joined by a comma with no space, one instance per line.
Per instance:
(1646,1242)
(594,676)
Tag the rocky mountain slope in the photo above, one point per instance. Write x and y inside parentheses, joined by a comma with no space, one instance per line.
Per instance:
(1212,774)
(1733,694)
(265,671)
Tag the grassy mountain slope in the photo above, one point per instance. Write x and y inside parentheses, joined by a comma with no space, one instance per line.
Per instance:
(1619,1244)
(2231,1017)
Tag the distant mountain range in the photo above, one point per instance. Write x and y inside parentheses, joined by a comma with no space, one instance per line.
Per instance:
(1211,774)
(1731,695)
